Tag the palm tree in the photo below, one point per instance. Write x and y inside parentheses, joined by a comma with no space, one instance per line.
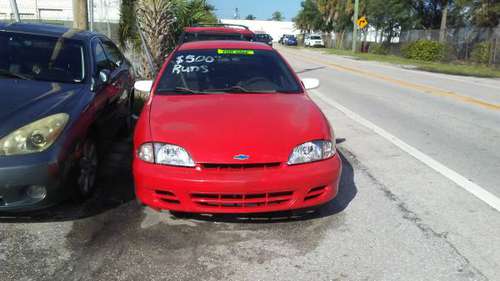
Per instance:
(157,20)
(161,22)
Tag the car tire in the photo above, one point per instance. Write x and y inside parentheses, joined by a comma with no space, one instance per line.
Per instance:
(86,170)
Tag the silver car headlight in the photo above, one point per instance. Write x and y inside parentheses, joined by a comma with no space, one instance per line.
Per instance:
(34,137)
(165,154)
(312,151)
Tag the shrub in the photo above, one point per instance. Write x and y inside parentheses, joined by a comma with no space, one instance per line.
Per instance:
(482,52)
(379,49)
(424,50)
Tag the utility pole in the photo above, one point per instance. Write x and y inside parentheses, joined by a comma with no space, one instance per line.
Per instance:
(15,11)
(80,14)
(355,28)
(91,15)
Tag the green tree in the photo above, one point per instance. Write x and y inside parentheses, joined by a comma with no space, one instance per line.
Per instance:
(390,16)
(485,13)
(250,17)
(309,17)
(277,16)
(191,12)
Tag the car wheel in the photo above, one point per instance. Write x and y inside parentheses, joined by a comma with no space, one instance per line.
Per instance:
(87,169)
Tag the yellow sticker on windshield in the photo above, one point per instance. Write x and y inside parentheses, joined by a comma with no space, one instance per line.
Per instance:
(236,52)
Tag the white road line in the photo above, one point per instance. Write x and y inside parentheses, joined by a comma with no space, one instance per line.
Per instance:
(455,177)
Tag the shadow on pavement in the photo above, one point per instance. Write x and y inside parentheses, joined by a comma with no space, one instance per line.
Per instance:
(114,188)
(347,192)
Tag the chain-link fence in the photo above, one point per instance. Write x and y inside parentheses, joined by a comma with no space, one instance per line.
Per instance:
(462,44)
(106,28)
(105,13)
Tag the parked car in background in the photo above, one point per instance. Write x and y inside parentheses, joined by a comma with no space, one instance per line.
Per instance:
(216,32)
(291,40)
(63,92)
(229,128)
(283,40)
(264,38)
(313,40)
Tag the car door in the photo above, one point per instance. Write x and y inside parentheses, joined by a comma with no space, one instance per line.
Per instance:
(121,78)
(108,89)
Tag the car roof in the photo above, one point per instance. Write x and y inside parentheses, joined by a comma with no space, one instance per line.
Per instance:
(224,44)
(48,30)
(218,29)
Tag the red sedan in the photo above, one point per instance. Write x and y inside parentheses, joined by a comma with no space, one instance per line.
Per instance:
(229,128)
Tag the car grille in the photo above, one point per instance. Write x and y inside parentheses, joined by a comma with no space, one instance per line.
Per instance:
(239,200)
(315,193)
(240,167)
(167,197)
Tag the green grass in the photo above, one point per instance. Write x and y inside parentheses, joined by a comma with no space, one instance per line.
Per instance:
(448,68)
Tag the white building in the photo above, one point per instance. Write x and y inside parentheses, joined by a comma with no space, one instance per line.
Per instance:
(274,28)
(60,10)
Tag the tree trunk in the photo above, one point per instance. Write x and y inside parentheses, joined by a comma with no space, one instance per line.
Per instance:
(444,16)
(342,39)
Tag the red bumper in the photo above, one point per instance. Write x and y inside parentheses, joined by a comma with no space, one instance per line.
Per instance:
(245,190)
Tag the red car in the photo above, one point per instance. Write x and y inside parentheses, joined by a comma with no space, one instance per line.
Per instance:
(229,128)
(216,32)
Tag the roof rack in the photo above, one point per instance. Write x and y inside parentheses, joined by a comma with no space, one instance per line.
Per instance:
(220,25)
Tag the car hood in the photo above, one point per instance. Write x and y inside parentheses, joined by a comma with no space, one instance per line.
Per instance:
(22,101)
(216,128)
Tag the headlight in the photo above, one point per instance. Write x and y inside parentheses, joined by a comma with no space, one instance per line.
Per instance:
(165,154)
(311,151)
(34,137)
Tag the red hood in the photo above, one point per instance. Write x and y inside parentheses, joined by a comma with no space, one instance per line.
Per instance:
(215,128)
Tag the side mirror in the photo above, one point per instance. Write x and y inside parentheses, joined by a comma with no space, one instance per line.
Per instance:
(104,76)
(144,85)
(310,83)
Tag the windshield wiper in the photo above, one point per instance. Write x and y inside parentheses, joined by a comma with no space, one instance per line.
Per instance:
(14,75)
(240,89)
(187,90)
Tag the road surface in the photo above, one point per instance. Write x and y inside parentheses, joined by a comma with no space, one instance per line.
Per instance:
(417,200)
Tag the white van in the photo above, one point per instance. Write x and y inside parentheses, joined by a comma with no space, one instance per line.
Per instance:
(314,40)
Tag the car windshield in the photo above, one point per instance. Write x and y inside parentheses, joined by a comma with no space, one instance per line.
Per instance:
(34,57)
(316,37)
(227,71)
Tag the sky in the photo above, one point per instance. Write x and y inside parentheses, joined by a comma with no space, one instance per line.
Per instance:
(262,9)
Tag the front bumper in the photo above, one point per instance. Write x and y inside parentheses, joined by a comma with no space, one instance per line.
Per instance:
(252,190)
(18,173)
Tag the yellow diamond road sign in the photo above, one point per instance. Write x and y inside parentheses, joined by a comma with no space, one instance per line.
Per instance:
(362,22)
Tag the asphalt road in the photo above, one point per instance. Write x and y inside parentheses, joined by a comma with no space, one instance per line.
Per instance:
(396,217)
